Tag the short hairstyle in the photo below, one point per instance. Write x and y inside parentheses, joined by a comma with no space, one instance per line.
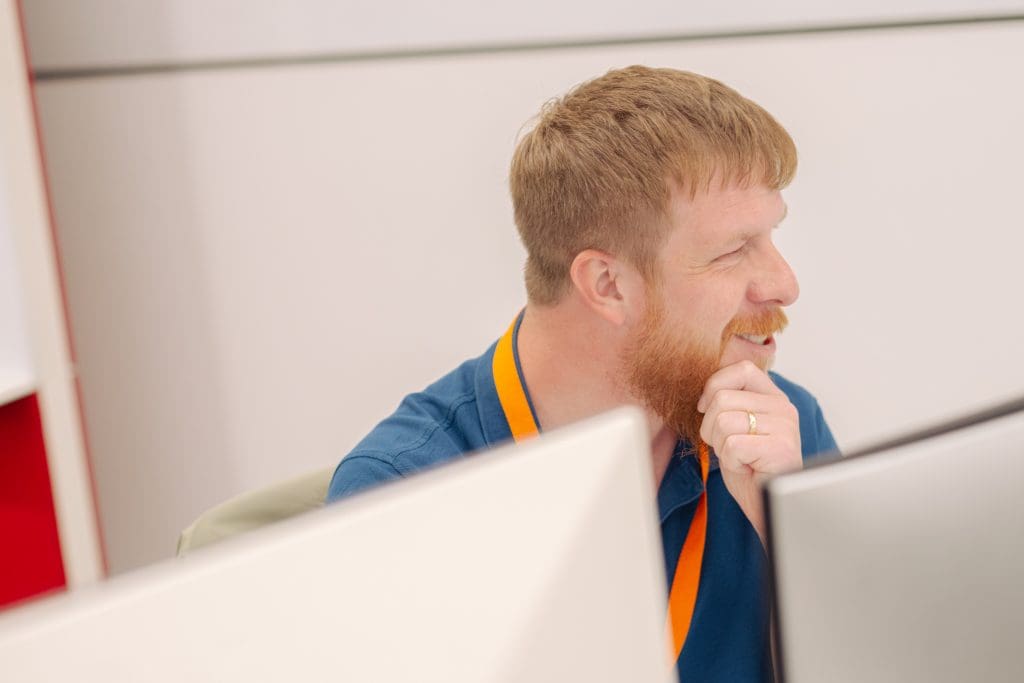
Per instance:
(597,169)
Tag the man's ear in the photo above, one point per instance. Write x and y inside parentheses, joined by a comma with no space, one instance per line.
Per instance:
(607,285)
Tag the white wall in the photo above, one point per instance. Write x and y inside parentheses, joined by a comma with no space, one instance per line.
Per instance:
(261,262)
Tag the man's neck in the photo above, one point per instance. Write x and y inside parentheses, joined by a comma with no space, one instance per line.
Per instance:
(663,445)
(571,366)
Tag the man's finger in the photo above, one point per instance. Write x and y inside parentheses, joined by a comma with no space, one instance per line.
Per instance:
(735,399)
(762,456)
(720,426)
(743,376)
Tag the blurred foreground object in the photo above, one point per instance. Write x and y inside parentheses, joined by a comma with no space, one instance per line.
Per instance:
(904,562)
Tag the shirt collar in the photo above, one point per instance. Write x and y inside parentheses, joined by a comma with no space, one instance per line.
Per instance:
(492,416)
(681,484)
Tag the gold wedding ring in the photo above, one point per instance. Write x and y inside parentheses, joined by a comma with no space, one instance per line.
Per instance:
(751,423)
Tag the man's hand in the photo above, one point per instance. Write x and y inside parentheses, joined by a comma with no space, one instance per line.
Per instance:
(746,459)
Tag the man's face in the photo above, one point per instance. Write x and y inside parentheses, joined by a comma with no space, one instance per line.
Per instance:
(717,300)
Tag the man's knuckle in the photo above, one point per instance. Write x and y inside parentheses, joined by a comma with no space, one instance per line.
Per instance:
(705,431)
(729,444)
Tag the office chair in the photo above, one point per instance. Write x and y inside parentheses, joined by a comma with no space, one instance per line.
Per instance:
(255,509)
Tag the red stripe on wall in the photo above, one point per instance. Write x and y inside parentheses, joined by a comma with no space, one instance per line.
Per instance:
(29,543)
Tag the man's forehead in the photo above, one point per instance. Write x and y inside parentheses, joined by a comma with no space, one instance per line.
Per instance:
(727,213)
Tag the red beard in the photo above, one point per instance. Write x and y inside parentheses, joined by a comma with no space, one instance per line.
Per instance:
(668,373)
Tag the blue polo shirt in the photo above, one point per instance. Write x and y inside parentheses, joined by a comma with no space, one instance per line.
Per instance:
(729,632)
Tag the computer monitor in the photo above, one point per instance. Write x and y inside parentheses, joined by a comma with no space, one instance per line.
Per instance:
(541,562)
(905,562)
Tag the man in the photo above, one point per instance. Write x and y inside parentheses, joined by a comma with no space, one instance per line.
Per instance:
(646,200)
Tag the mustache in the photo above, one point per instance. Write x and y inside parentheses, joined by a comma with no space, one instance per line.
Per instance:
(767,322)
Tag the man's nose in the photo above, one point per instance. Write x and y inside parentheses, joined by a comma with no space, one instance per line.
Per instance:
(774,282)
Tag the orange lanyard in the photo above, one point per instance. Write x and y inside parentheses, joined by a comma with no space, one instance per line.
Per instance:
(511,394)
(683,595)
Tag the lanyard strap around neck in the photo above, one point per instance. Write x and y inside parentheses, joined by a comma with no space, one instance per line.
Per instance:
(511,393)
(516,406)
(683,596)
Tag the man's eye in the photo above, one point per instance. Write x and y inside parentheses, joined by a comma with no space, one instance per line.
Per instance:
(733,253)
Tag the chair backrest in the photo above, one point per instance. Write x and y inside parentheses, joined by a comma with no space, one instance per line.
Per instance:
(255,509)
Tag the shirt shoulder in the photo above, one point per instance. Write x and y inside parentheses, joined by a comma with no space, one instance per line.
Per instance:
(815,435)
(428,428)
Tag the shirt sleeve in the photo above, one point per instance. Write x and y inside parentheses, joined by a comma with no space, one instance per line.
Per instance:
(825,443)
(815,436)
(359,472)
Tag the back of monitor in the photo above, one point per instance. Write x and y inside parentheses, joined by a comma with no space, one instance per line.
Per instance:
(905,564)
(541,563)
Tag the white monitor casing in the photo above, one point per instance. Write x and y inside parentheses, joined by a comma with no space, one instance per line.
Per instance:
(538,563)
